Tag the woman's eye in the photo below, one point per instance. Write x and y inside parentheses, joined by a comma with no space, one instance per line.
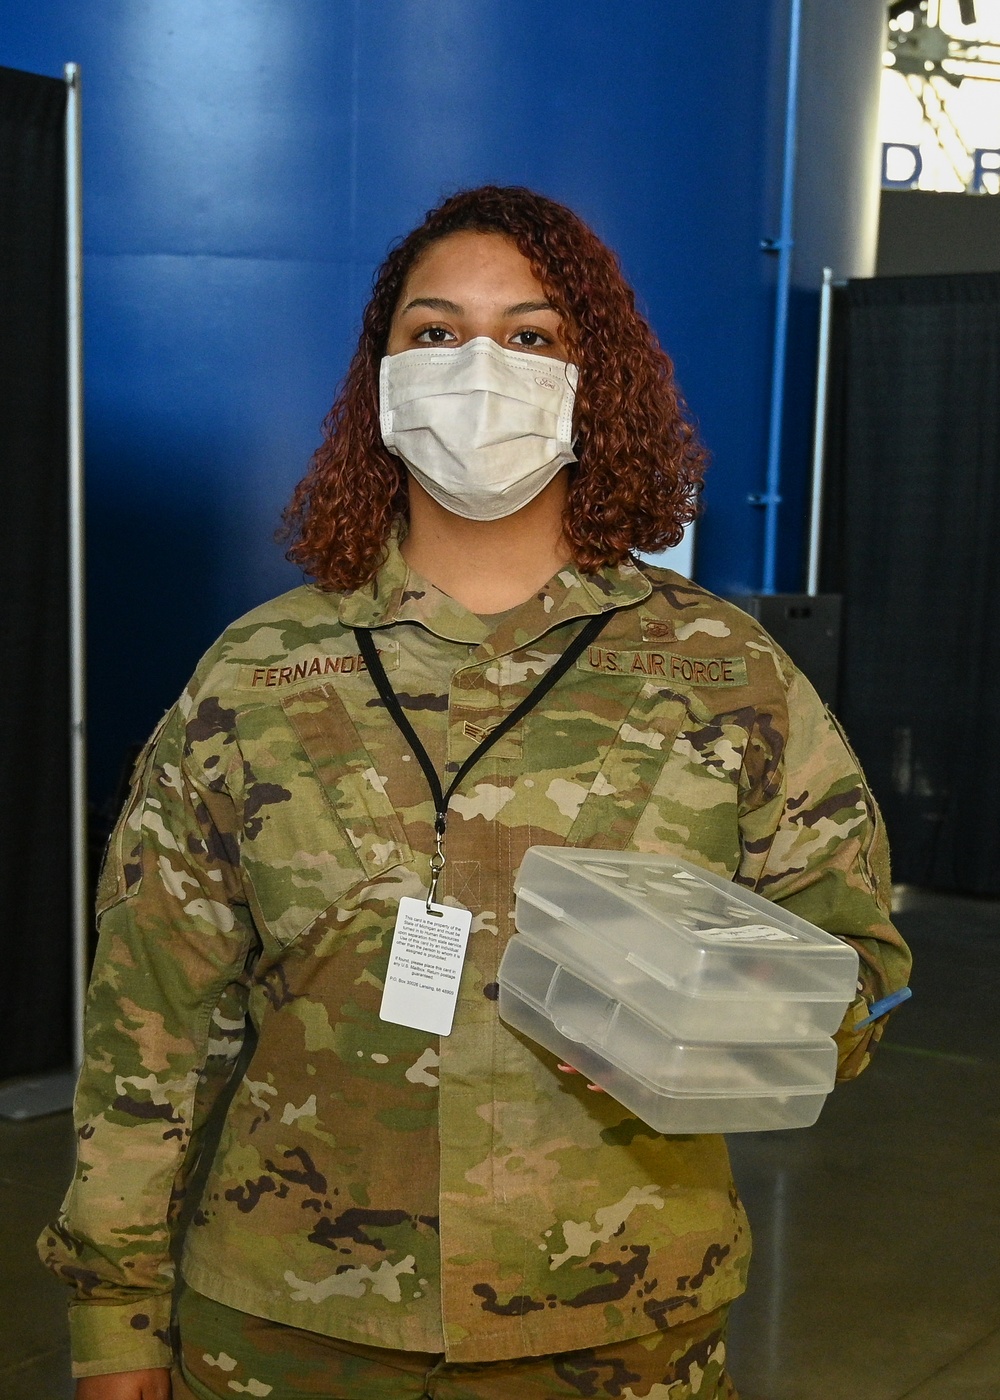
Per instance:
(530,340)
(434,335)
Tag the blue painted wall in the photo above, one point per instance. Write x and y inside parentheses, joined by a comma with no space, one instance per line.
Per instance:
(246,164)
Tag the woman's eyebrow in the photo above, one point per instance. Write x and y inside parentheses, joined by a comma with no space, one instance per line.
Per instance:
(524,308)
(435,304)
(452,308)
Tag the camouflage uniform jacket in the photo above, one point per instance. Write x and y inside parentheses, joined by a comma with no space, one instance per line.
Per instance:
(372,1183)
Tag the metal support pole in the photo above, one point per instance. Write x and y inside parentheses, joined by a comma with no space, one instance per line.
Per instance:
(783,245)
(77,639)
(819,432)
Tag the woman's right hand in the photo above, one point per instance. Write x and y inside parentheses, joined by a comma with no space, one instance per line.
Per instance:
(126,1385)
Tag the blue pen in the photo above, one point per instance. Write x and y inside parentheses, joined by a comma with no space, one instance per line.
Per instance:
(879,1008)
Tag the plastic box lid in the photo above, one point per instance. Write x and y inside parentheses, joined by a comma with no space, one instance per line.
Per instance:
(625,918)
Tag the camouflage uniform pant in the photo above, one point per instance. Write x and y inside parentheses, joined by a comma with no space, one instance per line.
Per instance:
(224,1353)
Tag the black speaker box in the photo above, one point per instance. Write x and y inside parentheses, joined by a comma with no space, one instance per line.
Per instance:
(808,628)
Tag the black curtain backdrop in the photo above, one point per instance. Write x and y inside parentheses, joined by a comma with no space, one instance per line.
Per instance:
(912,540)
(35,899)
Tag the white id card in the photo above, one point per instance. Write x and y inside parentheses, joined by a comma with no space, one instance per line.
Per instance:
(425,966)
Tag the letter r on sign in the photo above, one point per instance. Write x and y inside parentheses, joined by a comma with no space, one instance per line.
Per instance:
(985,162)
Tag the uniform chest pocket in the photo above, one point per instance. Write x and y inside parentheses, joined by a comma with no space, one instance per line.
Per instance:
(318,826)
(595,755)
(629,771)
(349,778)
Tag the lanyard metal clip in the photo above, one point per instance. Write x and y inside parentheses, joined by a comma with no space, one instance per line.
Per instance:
(437,859)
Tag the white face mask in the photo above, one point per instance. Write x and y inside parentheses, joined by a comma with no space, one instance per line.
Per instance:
(483,429)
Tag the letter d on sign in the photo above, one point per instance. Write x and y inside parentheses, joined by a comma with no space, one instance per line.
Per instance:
(909,157)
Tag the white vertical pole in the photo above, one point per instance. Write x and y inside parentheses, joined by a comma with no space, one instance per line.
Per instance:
(819,432)
(77,638)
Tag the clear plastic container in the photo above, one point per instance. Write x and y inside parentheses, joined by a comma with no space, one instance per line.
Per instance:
(673,1085)
(702,958)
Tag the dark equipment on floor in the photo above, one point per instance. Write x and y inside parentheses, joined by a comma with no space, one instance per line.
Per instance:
(808,628)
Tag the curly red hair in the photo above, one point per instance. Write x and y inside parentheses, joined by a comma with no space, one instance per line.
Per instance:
(635,485)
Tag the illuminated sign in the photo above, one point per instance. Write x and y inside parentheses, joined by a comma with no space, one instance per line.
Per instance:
(902,164)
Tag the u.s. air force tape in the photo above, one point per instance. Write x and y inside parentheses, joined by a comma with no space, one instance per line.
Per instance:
(666,665)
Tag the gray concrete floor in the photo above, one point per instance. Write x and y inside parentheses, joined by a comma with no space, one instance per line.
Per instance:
(36,1159)
(877,1262)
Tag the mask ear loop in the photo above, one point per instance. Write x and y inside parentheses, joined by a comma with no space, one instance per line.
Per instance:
(574,390)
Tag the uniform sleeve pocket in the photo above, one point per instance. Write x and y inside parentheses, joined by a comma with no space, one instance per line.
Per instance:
(121,869)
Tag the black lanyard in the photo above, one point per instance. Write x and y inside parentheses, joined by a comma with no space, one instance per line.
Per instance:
(442,797)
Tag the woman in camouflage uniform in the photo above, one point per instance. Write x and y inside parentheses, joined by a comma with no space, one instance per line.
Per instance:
(384,1212)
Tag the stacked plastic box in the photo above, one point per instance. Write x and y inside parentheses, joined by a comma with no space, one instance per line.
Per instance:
(697,1004)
